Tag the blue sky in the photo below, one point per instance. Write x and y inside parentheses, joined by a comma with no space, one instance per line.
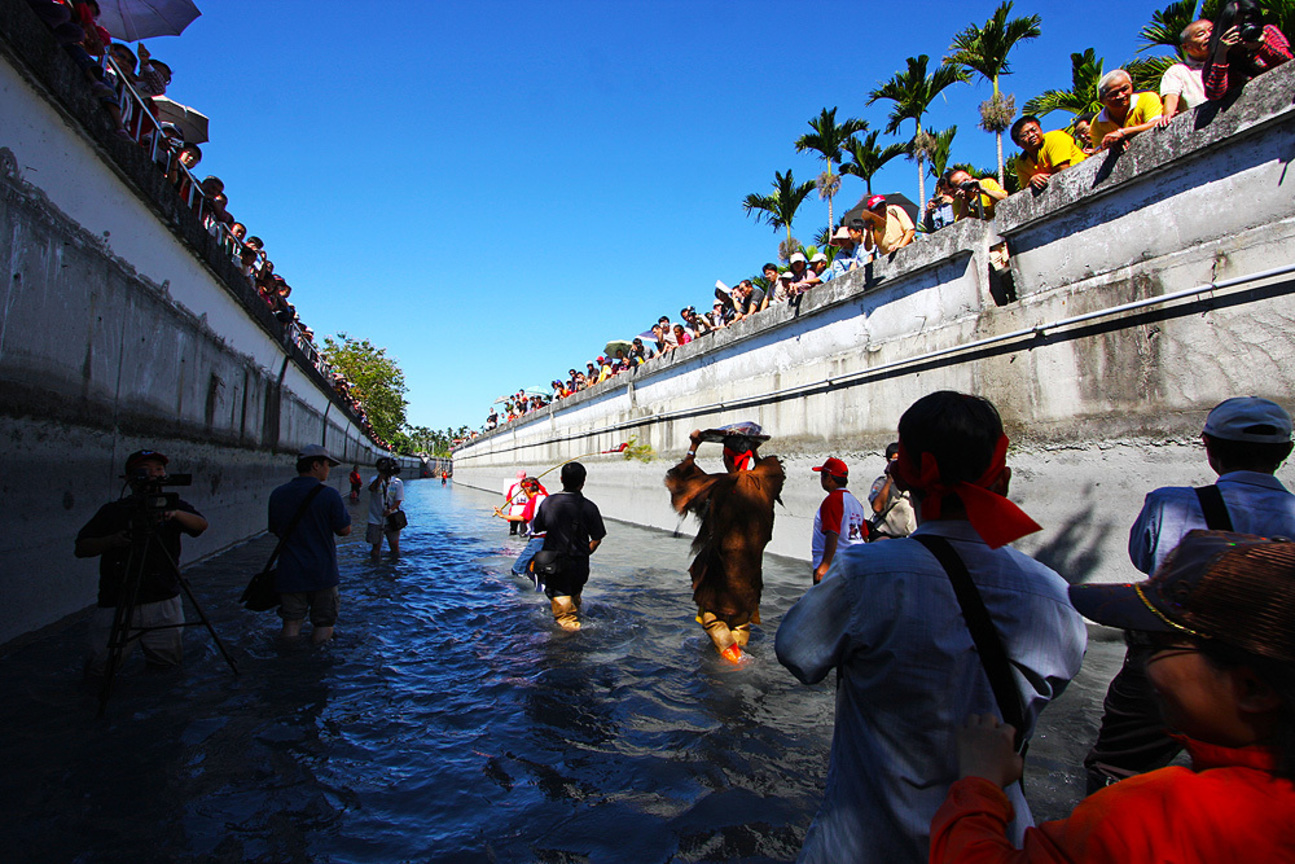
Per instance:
(492,190)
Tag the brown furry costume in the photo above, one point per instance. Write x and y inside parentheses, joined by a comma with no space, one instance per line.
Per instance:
(736,513)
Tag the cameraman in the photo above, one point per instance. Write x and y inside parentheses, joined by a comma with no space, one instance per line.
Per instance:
(121,528)
(971,194)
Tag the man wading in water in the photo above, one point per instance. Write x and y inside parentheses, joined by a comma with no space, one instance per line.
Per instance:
(736,512)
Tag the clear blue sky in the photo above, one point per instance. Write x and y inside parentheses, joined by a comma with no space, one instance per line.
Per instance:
(492,190)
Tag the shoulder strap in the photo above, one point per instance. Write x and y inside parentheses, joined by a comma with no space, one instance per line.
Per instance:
(1214,508)
(301,511)
(988,644)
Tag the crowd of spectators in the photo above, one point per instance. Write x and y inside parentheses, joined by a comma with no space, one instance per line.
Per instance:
(127,82)
(1215,61)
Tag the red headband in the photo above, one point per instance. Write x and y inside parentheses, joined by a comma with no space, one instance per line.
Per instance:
(997,520)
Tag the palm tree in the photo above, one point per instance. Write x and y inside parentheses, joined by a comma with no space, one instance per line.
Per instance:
(779,208)
(913,91)
(1081,98)
(984,50)
(869,158)
(826,140)
(940,152)
(1166,27)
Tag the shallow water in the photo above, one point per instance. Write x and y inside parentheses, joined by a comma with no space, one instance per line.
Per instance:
(449,720)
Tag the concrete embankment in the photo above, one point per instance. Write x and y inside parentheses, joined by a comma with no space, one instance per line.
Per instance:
(1145,287)
(123,325)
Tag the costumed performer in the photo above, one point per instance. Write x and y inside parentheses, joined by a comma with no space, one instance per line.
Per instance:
(736,513)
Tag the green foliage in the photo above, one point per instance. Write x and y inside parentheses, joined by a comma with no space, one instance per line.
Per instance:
(984,49)
(376,381)
(942,144)
(913,90)
(1085,71)
(868,157)
(779,209)
(1165,28)
(829,138)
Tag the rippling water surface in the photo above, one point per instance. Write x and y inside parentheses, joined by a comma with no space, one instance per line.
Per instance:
(449,720)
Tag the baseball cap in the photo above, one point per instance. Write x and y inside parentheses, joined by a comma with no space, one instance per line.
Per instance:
(314,451)
(841,235)
(874,201)
(143,456)
(1237,589)
(835,467)
(797,256)
(1250,419)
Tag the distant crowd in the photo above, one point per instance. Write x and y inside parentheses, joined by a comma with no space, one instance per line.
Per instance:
(131,86)
(1214,62)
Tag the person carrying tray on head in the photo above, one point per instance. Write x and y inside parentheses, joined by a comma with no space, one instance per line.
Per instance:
(736,513)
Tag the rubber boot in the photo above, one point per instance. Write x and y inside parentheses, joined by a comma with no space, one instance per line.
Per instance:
(564,610)
(722,636)
(742,634)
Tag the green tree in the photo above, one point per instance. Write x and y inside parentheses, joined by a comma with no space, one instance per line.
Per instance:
(1165,29)
(868,158)
(984,50)
(913,91)
(376,381)
(779,209)
(1081,98)
(940,152)
(827,140)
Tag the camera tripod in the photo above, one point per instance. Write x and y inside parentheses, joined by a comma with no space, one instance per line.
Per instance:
(143,538)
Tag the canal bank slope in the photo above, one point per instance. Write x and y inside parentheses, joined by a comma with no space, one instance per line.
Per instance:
(1144,288)
(124,325)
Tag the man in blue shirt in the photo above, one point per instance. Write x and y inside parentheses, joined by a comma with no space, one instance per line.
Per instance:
(1246,441)
(307,576)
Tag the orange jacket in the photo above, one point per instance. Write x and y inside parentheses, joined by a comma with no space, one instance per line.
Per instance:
(1229,808)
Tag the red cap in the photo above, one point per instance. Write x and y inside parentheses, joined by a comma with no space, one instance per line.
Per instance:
(835,467)
(874,201)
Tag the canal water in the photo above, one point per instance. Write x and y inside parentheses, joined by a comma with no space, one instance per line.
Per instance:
(449,720)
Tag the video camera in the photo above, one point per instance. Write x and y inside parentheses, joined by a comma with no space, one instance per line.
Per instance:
(147,496)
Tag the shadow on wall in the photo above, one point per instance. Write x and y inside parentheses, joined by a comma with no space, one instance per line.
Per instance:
(1075,552)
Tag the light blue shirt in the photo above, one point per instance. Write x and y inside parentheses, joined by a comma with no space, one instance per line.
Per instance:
(1257,503)
(886,616)
(842,263)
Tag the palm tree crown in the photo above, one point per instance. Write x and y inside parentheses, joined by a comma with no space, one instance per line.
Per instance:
(913,91)
(827,140)
(779,208)
(1081,98)
(984,50)
(869,158)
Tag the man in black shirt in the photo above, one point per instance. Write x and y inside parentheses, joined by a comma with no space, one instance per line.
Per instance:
(108,535)
(575,528)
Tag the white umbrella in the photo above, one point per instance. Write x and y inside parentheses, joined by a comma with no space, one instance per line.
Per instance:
(192,124)
(131,20)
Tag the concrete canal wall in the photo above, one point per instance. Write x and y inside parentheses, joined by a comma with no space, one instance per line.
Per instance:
(123,325)
(1146,287)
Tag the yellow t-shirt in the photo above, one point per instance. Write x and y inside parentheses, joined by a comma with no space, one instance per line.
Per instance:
(962,211)
(897,223)
(1058,149)
(1146,107)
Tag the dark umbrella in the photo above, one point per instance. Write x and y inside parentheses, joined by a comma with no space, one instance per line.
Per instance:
(899,199)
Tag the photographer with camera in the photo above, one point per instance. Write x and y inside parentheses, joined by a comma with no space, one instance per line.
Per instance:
(386,519)
(973,197)
(1241,47)
(119,535)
